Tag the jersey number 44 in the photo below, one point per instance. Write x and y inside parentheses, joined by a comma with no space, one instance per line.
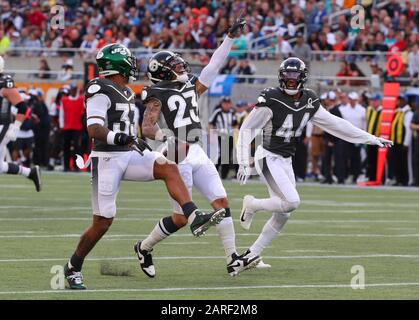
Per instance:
(288,131)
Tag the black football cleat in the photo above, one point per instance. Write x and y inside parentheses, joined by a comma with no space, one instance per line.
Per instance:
(35,176)
(203,221)
(74,278)
(241,263)
(146,260)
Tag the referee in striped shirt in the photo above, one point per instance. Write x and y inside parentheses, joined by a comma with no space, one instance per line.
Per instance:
(373,126)
(223,121)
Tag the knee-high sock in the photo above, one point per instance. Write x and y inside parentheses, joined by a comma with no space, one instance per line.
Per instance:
(274,204)
(227,235)
(164,228)
(11,168)
(269,232)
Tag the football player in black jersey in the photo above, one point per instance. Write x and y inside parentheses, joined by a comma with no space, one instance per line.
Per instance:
(9,96)
(281,113)
(172,116)
(118,155)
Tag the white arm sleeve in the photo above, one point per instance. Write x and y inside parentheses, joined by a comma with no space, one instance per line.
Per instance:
(218,58)
(251,127)
(309,129)
(96,109)
(341,128)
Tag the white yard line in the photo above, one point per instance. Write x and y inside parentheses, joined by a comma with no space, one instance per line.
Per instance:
(331,203)
(144,216)
(351,235)
(341,235)
(289,286)
(326,257)
(308,250)
(16,231)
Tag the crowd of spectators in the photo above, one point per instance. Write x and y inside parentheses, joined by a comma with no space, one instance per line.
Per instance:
(275,30)
(51,137)
(288,27)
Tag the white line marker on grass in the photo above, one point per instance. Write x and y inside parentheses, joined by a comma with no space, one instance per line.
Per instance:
(327,257)
(290,286)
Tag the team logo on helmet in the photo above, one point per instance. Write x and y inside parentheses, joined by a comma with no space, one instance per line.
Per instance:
(153,65)
(121,50)
(99,54)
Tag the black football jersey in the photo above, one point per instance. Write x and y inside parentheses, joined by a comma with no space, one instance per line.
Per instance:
(6,81)
(289,118)
(120,115)
(179,111)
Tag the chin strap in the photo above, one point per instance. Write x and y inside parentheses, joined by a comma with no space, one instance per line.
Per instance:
(291,92)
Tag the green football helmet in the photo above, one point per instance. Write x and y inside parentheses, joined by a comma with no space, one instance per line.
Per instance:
(115,58)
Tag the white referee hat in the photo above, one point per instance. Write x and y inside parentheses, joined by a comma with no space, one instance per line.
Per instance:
(353,95)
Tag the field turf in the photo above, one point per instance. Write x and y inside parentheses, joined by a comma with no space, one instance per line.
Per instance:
(334,229)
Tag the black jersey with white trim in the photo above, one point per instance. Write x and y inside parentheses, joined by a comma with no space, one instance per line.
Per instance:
(289,117)
(120,113)
(6,81)
(179,110)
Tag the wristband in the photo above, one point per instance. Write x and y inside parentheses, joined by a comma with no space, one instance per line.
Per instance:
(110,138)
(17,124)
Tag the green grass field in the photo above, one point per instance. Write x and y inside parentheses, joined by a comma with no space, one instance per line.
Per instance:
(334,229)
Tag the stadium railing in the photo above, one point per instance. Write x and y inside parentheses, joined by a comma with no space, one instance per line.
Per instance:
(266,53)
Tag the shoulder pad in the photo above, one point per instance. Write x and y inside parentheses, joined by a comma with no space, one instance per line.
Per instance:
(311,93)
(265,95)
(144,93)
(149,92)
(313,98)
(95,86)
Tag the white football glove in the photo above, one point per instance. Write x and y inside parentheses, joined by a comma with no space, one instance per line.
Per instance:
(243,174)
(381,142)
(13,130)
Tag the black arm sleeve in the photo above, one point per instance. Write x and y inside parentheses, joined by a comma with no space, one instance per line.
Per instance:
(21,107)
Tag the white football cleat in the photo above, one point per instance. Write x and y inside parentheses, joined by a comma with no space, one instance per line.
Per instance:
(246,215)
(262,265)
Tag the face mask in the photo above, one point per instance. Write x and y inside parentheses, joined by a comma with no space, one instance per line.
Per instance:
(291,92)
(182,77)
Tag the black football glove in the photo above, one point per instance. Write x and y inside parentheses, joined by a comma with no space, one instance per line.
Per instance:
(139,145)
(122,139)
(237,26)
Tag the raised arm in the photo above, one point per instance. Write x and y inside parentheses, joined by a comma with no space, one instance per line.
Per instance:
(344,130)
(210,72)
(150,128)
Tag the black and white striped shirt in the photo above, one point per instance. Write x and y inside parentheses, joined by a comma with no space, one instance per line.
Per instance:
(223,121)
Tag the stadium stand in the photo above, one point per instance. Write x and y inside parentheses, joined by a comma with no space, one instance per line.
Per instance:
(343,56)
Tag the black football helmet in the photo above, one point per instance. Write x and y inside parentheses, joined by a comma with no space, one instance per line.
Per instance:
(167,65)
(292,75)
